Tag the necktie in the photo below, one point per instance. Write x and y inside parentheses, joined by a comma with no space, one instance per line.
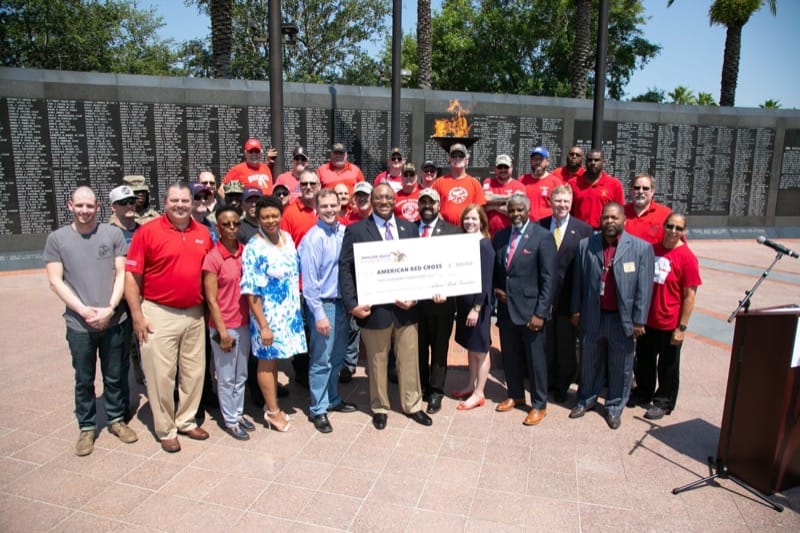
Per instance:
(512,246)
(387,234)
(558,234)
(426,230)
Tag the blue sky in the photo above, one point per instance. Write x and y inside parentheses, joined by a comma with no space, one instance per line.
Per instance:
(691,53)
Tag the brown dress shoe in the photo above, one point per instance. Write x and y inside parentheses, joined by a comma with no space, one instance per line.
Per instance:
(508,404)
(535,416)
(196,433)
(170,445)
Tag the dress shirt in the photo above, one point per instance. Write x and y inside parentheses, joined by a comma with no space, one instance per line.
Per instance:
(381,223)
(319,265)
(431,225)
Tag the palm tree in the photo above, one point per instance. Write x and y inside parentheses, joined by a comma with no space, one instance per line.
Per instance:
(770,104)
(733,14)
(582,47)
(424,44)
(221,37)
(682,95)
(706,99)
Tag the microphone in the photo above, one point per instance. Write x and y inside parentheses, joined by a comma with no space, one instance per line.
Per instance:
(777,247)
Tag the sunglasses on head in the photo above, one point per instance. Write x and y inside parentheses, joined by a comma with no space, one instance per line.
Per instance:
(126,201)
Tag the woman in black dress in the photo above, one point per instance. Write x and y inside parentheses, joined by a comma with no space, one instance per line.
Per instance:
(474,314)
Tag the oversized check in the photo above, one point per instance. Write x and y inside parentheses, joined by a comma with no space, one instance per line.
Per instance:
(416,269)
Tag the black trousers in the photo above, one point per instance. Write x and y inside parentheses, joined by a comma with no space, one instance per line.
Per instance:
(433,333)
(656,357)
(560,347)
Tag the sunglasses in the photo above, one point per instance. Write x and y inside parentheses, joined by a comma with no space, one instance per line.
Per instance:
(674,227)
(396,158)
(280,194)
(457,156)
(254,151)
(409,175)
(126,201)
(230,224)
(208,183)
(429,170)
(640,188)
(308,183)
(299,158)
(502,167)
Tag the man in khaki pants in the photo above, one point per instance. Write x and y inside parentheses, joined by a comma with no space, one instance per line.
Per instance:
(163,288)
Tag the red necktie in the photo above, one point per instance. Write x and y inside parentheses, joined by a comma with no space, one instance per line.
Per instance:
(512,246)
(426,230)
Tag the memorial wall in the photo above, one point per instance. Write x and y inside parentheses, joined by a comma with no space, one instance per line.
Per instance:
(725,167)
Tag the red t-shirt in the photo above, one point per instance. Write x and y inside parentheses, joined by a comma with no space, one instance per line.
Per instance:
(675,270)
(588,199)
(406,205)
(650,225)
(395,182)
(248,176)
(538,191)
(351,218)
(565,175)
(349,175)
(498,220)
(297,219)
(455,194)
(170,261)
(228,268)
(290,182)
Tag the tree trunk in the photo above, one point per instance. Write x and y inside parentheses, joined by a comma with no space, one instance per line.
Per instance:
(581,48)
(730,65)
(221,37)
(424,44)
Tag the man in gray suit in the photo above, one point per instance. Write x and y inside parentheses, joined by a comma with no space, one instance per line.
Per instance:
(611,289)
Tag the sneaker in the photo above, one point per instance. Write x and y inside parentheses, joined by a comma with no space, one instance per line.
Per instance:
(85,444)
(123,432)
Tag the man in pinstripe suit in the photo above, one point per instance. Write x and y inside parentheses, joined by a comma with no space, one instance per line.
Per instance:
(612,286)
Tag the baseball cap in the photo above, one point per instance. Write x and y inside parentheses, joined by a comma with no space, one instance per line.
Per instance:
(252,144)
(428,164)
(199,188)
(120,193)
(300,152)
(396,151)
(458,147)
(540,150)
(409,167)
(338,147)
(503,159)
(235,187)
(362,186)
(136,183)
(430,193)
(251,192)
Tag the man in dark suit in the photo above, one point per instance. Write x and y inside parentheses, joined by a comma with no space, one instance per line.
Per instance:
(435,316)
(559,339)
(379,323)
(524,281)
(611,290)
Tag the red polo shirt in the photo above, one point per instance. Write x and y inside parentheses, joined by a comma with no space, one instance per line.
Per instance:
(170,261)
(498,220)
(297,219)
(650,224)
(228,269)
(260,176)
(350,174)
(565,175)
(539,191)
(588,199)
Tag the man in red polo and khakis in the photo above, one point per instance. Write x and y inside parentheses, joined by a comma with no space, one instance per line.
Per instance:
(251,172)
(163,288)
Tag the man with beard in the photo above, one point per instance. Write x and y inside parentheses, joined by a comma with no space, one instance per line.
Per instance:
(394,173)
(249,225)
(251,172)
(209,181)
(379,323)
(574,166)
(644,217)
(458,189)
(539,183)
(291,178)
(524,281)
(435,316)
(593,190)
(233,194)
(497,190)
(611,290)
(339,170)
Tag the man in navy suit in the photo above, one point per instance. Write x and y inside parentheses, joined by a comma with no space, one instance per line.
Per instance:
(611,290)
(559,339)
(379,323)
(435,318)
(524,283)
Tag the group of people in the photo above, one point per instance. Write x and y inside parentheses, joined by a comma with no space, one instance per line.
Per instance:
(263,269)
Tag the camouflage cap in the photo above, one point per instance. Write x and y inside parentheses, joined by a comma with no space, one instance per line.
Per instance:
(233,187)
(136,183)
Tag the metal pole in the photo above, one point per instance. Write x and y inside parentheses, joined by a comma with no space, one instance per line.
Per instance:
(600,77)
(276,80)
(397,42)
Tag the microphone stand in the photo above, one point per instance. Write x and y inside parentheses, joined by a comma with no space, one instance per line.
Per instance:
(717,465)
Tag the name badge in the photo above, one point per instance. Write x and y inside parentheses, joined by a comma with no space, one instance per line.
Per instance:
(629,267)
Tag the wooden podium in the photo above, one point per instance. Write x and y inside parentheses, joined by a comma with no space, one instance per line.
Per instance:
(760,435)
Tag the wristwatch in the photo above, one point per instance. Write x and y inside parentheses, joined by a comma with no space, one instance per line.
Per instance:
(682,327)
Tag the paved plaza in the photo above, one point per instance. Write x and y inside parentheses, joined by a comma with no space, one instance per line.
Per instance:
(471,471)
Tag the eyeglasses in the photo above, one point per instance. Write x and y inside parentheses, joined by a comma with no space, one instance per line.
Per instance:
(674,227)
(396,158)
(502,167)
(574,154)
(280,194)
(640,188)
(126,201)
(308,183)
(231,224)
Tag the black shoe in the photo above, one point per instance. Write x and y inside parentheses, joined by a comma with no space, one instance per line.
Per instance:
(434,405)
(655,413)
(345,375)
(421,418)
(283,392)
(246,425)
(393,375)
(321,423)
(578,411)
(379,420)
(343,407)
(238,433)
(614,421)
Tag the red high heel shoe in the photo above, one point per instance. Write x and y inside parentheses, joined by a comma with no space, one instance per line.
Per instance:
(464,407)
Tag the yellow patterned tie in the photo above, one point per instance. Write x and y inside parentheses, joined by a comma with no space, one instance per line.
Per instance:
(558,234)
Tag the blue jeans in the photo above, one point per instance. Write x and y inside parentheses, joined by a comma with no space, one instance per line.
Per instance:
(112,346)
(327,356)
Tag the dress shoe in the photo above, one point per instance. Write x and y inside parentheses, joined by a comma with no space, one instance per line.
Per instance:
(170,445)
(614,421)
(578,411)
(379,420)
(246,425)
(655,413)
(321,422)
(461,395)
(345,375)
(196,433)
(238,433)
(421,418)
(509,404)
(534,416)
(463,406)
(434,405)
(343,407)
